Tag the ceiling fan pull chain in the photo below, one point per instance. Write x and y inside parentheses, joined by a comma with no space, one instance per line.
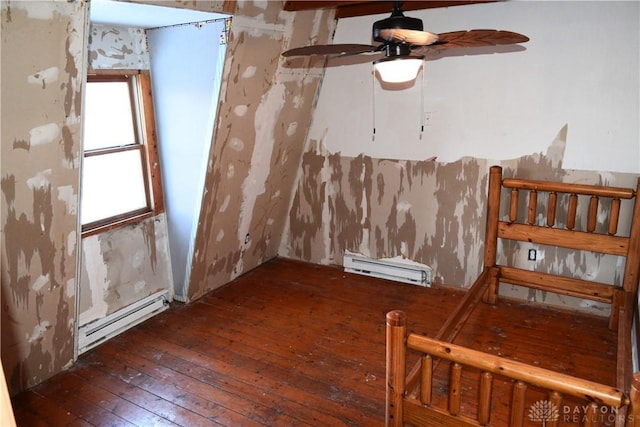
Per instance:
(373,105)
(422,103)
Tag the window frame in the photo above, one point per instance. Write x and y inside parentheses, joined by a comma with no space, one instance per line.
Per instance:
(139,82)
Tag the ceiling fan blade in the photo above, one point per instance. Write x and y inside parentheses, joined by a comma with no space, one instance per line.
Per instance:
(413,37)
(330,49)
(476,38)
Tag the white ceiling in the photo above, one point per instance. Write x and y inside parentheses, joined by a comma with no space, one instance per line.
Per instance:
(137,15)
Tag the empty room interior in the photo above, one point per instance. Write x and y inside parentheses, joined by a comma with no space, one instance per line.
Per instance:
(318,213)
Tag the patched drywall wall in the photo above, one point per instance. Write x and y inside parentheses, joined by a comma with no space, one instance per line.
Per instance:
(113,47)
(261,127)
(122,266)
(42,74)
(386,208)
(433,213)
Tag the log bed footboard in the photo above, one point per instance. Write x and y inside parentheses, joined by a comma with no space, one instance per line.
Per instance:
(417,408)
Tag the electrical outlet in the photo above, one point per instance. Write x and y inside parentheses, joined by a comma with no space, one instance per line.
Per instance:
(247,238)
(532,255)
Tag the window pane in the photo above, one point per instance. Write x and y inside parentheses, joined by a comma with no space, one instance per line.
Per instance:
(108,116)
(112,184)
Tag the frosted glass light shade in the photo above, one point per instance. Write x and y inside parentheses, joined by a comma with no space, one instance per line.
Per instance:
(398,70)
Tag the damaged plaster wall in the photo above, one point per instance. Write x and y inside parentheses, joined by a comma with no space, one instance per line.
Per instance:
(260,131)
(126,264)
(434,213)
(43,63)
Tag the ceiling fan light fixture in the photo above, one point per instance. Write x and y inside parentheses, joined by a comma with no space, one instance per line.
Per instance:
(398,69)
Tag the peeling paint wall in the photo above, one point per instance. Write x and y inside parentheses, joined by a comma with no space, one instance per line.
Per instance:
(261,127)
(124,265)
(42,74)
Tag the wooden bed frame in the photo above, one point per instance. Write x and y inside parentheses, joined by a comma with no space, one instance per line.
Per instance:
(409,395)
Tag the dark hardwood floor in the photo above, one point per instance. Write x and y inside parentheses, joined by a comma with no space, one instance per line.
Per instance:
(291,344)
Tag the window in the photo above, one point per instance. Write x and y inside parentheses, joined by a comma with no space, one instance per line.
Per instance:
(120,173)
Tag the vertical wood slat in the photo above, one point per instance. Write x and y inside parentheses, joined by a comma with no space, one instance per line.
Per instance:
(632,265)
(614,214)
(455,385)
(555,399)
(426,379)
(551,209)
(395,367)
(592,217)
(513,207)
(484,403)
(494,286)
(571,211)
(624,326)
(517,404)
(493,216)
(533,207)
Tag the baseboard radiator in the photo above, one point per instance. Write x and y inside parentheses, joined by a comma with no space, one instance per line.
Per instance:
(390,269)
(94,333)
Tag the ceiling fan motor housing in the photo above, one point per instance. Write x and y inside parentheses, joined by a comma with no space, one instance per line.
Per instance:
(392,50)
(396,21)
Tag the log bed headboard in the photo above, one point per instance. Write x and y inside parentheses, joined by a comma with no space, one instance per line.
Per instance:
(525,221)
(565,235)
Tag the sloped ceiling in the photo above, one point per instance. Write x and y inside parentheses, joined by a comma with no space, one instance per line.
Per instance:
(345,9)
(137,15)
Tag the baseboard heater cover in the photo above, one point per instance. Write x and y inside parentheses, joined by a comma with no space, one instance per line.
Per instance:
(397,269)
(94,333)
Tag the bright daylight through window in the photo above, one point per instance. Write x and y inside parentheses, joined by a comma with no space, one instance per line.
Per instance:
(116,180)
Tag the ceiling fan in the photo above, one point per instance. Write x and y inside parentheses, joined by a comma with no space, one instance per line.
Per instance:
(403,39)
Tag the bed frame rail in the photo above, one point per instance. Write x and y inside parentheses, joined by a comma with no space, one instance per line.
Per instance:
(418,408)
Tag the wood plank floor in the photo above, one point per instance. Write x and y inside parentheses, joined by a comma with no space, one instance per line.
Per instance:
(291,344)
